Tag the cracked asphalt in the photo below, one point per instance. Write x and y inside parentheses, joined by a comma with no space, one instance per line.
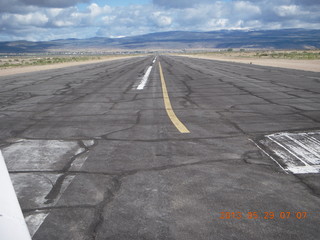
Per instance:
(92,157)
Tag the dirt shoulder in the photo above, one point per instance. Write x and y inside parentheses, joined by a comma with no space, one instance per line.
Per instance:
(18,70)
(306,65)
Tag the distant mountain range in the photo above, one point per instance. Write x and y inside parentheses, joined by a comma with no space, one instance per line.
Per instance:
(267,39)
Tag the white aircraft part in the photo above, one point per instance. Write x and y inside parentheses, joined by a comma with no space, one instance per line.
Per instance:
(12,223)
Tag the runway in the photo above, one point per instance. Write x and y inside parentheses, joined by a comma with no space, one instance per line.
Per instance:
(94,155)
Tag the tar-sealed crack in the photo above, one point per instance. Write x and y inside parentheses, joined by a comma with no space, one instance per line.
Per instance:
(56,189)
(254,158)
(19,96)
(138,118)
(125,173)
(231,123)
(317,120)
(109,195)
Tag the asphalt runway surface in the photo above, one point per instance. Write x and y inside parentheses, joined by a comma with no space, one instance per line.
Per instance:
(93,157)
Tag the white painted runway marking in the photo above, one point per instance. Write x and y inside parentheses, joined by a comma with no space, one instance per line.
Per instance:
(144,79)
(269,156)
(146,76)
(298,152)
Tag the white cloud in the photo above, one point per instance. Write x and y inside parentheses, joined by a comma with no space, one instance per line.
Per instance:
(246,9)
(12,5)
(108,19)
(50,21)
(19,21)
(164,21)
(180,3)
(95,10)
(219,23)
(287,10)
(161,19)
(53,12)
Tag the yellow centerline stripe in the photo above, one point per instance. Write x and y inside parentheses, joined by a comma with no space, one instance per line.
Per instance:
(178,124)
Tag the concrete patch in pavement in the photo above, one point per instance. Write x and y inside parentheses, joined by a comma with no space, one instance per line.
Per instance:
(35,220)
(41,171)
(33,155)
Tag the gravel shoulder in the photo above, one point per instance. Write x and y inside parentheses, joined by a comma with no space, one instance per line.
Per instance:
(18,70)
(306,65)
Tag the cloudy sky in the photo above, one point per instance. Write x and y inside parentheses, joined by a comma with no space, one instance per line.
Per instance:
(38,20)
